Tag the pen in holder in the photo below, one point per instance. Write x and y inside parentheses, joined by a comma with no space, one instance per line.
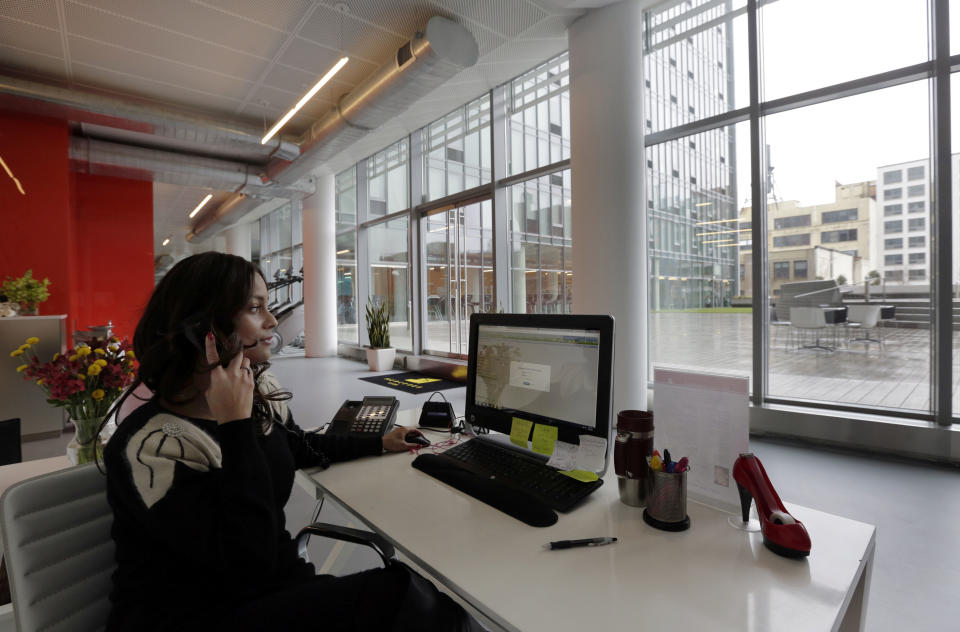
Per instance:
(667,501)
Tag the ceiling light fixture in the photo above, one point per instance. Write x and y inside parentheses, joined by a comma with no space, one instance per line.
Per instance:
(165,241)
(343,252)
(303,101)
(200,205)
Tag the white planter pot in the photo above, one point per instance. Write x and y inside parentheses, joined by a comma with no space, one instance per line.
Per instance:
(381,359)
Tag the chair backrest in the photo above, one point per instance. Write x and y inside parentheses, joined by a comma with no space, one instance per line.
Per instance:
(807,317)
(866,315)
(10,441)
(807,294)
(58,550)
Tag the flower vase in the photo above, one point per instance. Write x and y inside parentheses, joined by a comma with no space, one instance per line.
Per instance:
(85,446)
(29,308)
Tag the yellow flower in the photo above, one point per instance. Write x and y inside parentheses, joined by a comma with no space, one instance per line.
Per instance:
(82,376)
(94,369)
(130,354)
(73,358)
(100,362)
(97,394)
(32,340)
(114,339)
(40,381)
(83,351)
(100,352)
(56,355)
(21,368)
(114,348)
(16,352)
(24,347)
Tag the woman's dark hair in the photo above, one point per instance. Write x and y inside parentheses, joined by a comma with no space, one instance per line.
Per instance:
(202,293)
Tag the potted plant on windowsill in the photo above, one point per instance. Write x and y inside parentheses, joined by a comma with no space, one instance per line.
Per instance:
(380,355)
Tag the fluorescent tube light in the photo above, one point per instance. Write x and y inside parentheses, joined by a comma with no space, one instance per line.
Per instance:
(165,241)
(343,252)
(200,205)
(303,101)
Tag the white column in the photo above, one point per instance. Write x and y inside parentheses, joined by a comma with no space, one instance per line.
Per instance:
(607,166)
(320,270)
(238,240)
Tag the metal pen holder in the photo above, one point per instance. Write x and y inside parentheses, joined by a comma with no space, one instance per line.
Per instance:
(667,502)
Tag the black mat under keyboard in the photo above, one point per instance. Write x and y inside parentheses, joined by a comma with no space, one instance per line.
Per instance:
(511,469)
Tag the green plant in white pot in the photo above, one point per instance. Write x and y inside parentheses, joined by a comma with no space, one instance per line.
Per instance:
(380,354)
(26,292)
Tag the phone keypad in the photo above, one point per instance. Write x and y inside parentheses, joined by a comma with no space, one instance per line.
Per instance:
(370,419)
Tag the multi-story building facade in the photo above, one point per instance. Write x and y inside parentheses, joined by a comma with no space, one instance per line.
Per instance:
(903,197)
(820,241)
(690,187)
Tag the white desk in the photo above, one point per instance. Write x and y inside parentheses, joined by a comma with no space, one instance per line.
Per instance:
(712,577)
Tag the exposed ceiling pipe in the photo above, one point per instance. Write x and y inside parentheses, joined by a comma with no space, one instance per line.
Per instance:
(115,159)
(424,63)
(229,212)
(88,107)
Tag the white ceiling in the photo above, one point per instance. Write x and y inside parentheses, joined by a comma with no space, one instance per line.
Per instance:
(251,60)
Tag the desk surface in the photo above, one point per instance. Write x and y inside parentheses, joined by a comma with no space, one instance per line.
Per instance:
(711,577)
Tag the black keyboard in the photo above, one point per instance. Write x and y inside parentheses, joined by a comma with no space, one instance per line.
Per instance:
(516,484)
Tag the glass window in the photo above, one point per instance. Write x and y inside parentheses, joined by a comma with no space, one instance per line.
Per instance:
(833,236)
(893,226)
(843,215)
(916,207)
(541,245)
(787,27)
(893,244)
(387,180)
(892,177)
(893,194)
(345,202)
(917,275)
(915,173)
(539,111)
(893,275)
(791,240)
(799,270)
(892,209)
(390,276)
(347,287)
(456,150)
(915,190)
(917,257)
(793,221)
(781,270)
(917,223)
(893,260)
(918,242)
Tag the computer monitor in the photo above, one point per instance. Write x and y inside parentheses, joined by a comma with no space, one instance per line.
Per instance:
(554,369)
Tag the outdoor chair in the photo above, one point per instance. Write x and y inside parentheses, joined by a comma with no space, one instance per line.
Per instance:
(55,531)
(809,319)
(865,318)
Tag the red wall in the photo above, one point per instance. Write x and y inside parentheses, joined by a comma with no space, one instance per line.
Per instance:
(114,230)
(92,236)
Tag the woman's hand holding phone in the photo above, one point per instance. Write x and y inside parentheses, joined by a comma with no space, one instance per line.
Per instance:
(230,393)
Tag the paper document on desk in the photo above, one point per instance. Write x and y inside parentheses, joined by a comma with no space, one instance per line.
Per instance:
(706,418)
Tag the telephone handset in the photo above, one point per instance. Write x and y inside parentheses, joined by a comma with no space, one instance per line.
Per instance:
(373,416)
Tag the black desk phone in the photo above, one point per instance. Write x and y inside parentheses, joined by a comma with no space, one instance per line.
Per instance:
(372,416)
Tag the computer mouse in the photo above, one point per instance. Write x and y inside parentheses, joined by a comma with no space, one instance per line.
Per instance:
(420,440)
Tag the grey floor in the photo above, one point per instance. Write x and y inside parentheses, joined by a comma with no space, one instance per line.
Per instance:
(915,506)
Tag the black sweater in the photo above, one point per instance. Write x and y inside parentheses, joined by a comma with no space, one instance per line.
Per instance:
(198,512)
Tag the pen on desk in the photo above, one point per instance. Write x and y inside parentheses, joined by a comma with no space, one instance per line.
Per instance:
(569,544)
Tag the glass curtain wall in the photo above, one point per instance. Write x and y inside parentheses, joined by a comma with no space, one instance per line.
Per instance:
(456,150)
(540,116)
(390,276)
(838,260)
(345,209)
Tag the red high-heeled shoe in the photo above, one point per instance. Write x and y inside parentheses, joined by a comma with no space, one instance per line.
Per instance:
(782,533)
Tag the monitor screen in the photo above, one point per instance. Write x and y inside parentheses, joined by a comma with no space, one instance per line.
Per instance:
(547,368)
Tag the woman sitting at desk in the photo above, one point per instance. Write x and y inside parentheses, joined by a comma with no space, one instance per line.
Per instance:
(199,475)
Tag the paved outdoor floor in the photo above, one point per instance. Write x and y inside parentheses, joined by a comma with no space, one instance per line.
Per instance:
(893,375)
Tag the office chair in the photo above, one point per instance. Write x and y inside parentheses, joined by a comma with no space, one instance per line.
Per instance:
(55,530)
(10,441)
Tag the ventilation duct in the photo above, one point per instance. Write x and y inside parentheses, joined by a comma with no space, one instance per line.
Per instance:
(424,63)
(229,212)
(194,133)
(114,159)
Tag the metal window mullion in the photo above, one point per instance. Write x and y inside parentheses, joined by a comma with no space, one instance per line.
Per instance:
(363,253)
(499,121)
(758,214)
(941,217)
(416,252)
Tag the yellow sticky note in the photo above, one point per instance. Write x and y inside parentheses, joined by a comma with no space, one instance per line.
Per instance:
(544,438)
(581,475)
(519,431)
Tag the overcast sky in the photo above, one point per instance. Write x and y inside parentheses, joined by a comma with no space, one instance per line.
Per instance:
(809,44)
